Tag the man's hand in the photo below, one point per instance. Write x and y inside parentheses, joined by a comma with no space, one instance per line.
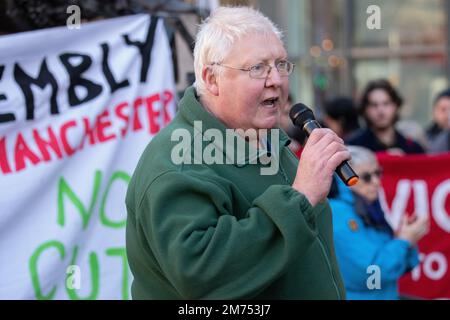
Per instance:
(323,152)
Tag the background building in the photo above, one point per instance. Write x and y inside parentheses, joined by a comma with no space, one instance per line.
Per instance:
(335,52)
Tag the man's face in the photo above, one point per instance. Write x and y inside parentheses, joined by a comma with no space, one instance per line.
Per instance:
(245,102)
(441,113)
(381,111)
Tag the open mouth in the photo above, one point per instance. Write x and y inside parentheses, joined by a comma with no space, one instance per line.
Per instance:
(270,103)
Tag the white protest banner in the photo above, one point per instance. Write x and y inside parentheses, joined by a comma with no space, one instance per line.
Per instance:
(77,108)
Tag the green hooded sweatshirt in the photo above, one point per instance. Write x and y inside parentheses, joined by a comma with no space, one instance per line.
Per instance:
(224,231)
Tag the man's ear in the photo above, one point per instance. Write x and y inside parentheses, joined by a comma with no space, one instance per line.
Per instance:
(211,81)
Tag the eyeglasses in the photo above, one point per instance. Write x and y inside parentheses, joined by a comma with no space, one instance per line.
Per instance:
(367,176)
(262,70)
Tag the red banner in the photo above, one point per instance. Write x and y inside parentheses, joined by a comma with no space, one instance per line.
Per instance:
(421,184)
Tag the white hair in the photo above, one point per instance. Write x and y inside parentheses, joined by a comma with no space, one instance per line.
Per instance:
(220,31)
(361,155)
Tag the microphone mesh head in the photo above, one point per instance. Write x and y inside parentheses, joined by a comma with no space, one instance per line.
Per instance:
(300,114)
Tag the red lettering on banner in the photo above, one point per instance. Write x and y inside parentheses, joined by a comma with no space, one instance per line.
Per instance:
(168,96)
(63,133)
(4,164)
(22,152)
(44,145)
(102,130)
(137,125)
(103,123)
(122,116)
(88,133)
(152,113)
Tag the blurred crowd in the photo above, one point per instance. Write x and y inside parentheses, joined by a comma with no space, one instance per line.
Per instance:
(362,235)
(374,122)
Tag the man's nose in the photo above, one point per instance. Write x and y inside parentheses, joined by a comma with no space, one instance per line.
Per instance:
(273,78)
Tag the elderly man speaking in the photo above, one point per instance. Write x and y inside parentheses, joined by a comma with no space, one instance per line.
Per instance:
(198,229)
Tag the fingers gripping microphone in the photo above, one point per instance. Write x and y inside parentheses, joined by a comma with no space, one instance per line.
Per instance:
(303,117)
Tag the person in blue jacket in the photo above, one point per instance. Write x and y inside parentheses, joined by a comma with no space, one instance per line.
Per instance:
(371,256)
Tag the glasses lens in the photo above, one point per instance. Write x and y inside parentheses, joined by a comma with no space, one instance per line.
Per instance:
(283,67)
(366,177)
(378,173)
(259,71)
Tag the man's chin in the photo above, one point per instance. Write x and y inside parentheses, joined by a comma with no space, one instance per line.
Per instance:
(268,123)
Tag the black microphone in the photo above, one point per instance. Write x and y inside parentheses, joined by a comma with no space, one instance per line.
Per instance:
(303,117)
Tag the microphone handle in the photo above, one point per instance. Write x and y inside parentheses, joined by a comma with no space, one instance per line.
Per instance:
(344,171)
(311,125)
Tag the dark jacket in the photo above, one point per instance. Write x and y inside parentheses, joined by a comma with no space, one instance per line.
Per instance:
(438,139)
(366,138)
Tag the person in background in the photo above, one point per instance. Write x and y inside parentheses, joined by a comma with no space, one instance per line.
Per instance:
(363,237)
(340,115)
(380,108)
(412,130)
(438,134)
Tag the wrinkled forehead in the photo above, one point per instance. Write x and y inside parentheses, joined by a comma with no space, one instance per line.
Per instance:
(255,47)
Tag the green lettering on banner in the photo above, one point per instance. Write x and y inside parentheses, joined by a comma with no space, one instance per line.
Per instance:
(95,277)
(86,211)
(103,218)
(64,189)
(34,272)
(121,252)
